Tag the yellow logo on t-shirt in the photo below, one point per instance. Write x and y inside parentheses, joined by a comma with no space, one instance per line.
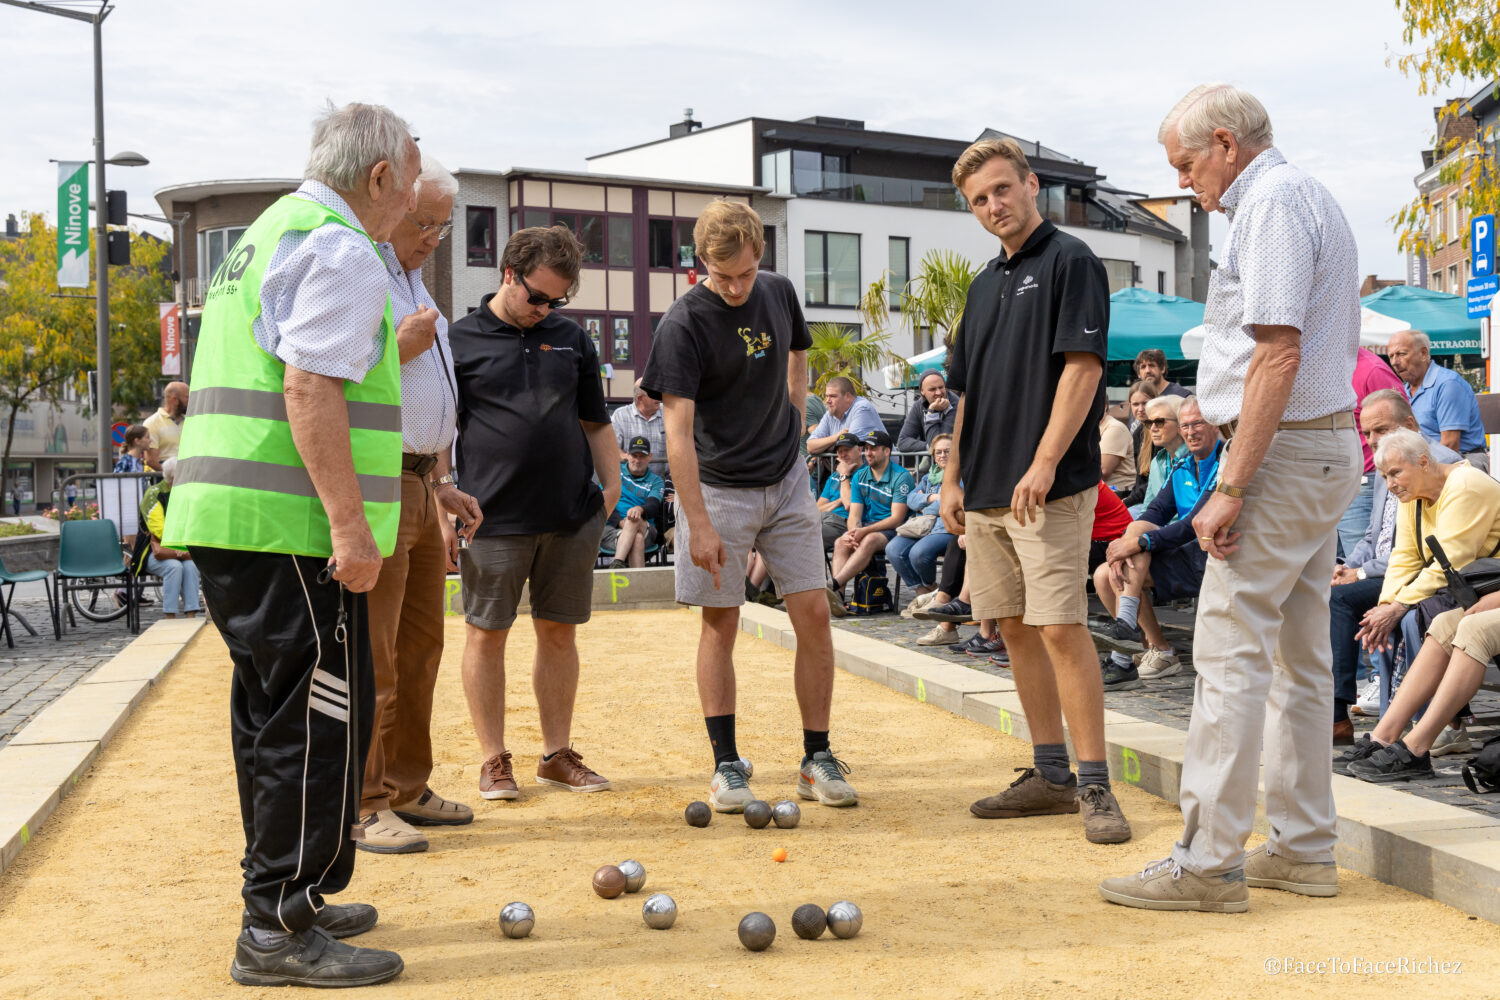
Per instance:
(755,346)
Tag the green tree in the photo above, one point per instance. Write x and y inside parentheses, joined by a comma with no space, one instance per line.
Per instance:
(838,349)
(934,298)
(1447,40)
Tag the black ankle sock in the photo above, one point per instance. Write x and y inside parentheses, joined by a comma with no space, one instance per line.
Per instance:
(813,741)
(1340,711)
(1051,759)
(549,756)
(721,737)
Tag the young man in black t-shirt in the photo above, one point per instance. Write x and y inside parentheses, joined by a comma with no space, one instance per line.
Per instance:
(1028,362)
(727,361)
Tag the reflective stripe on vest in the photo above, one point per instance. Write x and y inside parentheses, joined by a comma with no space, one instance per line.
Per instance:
(273,478)
(266,405)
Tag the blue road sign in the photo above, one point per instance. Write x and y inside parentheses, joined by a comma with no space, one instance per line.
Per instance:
(1481,291)
(1482,246)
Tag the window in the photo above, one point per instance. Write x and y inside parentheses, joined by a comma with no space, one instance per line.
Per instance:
(768,258)
(1121,274)
(686,249)
(534,217)
(832,268)
(589,229)
(1161,282)
(659,243)
(1435,210)
(479,224)
(213,246)
(1453,285)
(1435,281)
(621,241)
(1453,217)
(922,340)
(899,266)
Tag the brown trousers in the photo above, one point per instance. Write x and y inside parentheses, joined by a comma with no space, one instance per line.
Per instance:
(406,636)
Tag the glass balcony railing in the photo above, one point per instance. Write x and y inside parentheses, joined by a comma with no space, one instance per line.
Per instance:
(877,190)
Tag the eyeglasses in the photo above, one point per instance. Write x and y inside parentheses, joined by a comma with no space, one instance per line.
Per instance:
(441,228)
(1194,425)
(1158,422)
(538,299)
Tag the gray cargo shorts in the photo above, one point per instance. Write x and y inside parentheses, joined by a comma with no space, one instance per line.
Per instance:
(559,564)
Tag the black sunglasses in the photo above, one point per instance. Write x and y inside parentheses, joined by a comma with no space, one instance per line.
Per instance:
(1158,421)
(538,299)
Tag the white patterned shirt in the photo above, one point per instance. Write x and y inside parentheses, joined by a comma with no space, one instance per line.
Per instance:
(429,409)
(322,296)
(1290,260)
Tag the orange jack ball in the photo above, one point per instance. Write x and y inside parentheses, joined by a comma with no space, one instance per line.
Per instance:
(779,854)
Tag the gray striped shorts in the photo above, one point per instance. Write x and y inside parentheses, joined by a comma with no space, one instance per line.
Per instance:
(780,522)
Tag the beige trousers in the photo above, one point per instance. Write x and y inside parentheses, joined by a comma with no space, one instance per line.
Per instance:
(1262,652)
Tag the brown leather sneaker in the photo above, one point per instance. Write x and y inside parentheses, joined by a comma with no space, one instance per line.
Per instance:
(1030,795)
(567,770)
(1103,820)
(495,778)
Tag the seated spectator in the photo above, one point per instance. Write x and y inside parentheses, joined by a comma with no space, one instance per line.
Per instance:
(1444,676)
(1371,374)
(1140,394)
(916,559)
(1167,448)
(931,415)
(1447,409)
(877,505)
(629,530)
(134,457)
(846,412)
(1457,504)
(175,567)
(849,460)
(1151,366)
(1158,551)
(1116,455)
(1111,518)
(642,418)
(1358,582)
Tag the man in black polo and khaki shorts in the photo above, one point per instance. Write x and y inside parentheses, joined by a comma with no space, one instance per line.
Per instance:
(727,361)
(1028,362)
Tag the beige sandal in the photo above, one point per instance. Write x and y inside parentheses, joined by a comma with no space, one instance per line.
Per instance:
(431,809)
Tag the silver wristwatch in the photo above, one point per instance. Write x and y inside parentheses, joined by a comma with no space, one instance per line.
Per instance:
(447,480)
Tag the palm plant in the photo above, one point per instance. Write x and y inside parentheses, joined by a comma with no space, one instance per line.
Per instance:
(838,349)
(935,296)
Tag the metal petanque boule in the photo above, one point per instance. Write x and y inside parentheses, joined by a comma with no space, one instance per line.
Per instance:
(516,920)
(635,875)
(809,921)
(697,814)
(757,931)
(845,919)
(609,881)
(757,814)
(787,814)
(659,911)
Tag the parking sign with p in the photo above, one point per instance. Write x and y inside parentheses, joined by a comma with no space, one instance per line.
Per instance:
(1482,245)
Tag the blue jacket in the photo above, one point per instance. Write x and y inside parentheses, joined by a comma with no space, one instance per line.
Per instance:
(1184,492)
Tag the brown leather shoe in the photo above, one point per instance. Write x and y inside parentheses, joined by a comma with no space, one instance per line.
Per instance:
(431,809)
(1030,795)
(495,778)
(567,770)
(1103,820)
(1343,733)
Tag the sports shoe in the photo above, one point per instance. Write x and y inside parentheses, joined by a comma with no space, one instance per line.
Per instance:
(431,809)
(496,781)
(1392,763)
(386,833)
(567,770)
(340,920)
(1451,740)
(1001,659)
(1166,885)
(918,603)
(939,636)
(1369,699)
(1030,795)
(1118,678)
(617,564)
(310,958)
(822,778)
(1103,820)
(1264,870)
(1117,637)
(972,643)
(835,602)
(1156,663)
(955,611)
(729,788)
(1362,748)
(986,647)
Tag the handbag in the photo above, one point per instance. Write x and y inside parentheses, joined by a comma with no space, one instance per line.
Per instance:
(1466,586)
(920,525)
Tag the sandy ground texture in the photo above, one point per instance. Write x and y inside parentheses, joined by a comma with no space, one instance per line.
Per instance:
(131,890)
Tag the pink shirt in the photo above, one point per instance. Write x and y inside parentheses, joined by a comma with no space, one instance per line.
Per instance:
(1371,373)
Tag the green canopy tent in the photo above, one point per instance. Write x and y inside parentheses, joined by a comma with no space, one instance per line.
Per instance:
(1444,318)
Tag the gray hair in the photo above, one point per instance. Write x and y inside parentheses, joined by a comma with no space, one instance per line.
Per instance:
(1418,338)
(1172,404)
(1394,398)
(438,176)
(347,142)
(1211,106)
(1404,444)
(169,471)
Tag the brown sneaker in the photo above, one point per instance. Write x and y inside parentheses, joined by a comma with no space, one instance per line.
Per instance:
(431,809)
(1167,886)
(567,770)
(495,778)
(1030,795)
(1103,822)
(1264,870)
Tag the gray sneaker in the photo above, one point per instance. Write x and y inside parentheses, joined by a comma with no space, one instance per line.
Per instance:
(1030,795)
(311,958)
(729,788)
(1264,870)
(822,778)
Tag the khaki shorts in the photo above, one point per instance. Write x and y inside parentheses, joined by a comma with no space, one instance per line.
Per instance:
(1034,572)
(1478,635)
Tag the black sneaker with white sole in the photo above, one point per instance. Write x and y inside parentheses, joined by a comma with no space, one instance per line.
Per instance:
(1392,763)
(1118,678)
(1117,637)
(955,611)
(1361,750)
(311,958)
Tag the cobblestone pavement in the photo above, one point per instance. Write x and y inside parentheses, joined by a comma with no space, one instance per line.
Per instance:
(1169,701)
(41,668)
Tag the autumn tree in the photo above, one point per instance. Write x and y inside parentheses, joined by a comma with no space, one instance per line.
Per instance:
(1449,40)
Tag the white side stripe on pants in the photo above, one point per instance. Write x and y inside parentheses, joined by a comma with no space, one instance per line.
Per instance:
(329,695)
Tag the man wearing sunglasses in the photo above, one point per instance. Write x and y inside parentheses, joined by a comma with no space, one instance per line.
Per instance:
(532,432)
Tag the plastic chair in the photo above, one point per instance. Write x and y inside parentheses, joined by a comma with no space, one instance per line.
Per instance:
(8,581)
(89,559)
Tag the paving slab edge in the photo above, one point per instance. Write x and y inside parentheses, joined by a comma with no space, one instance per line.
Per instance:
(52,753)
(1445,853)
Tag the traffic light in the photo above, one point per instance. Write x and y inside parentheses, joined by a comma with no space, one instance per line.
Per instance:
(119,246)
(115,207)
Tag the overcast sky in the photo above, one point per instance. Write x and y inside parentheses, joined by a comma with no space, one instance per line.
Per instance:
(214,90)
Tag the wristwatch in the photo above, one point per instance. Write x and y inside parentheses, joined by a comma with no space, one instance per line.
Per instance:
(447,480)
(1360,572)
(1238,492)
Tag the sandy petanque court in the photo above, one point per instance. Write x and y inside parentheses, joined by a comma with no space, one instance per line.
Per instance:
(131,889)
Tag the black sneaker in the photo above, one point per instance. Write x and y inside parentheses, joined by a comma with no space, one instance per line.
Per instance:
(340,920)
(1118,678)
(972,643)
(986,647)
(1392,763)
(955,611)
(311,958)
(1002,658)
(1117,637)
(1361,750)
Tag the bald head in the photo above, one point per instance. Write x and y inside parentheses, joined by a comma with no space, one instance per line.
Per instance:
(1411,353)
(174,398)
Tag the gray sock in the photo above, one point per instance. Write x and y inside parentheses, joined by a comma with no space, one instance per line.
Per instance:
(1093,772)
(268,938)
(1122,660)
(1126,610)
(1051,759)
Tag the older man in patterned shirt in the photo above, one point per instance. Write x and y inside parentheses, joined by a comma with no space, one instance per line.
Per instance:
(1278,362)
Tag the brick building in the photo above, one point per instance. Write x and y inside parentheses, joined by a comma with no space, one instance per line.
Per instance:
(1446,268)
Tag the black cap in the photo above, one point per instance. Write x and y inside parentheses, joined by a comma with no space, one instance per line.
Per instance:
(639,446)
(877,439)
(846,440)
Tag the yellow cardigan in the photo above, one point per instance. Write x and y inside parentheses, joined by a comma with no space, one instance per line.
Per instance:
(1466,521)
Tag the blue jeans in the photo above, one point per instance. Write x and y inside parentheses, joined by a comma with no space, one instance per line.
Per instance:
(1347,604)
(916,558)
(179,583)
(1357,518)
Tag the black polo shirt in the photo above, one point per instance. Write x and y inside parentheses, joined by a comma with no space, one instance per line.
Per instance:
(521,395)
(1022,315)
